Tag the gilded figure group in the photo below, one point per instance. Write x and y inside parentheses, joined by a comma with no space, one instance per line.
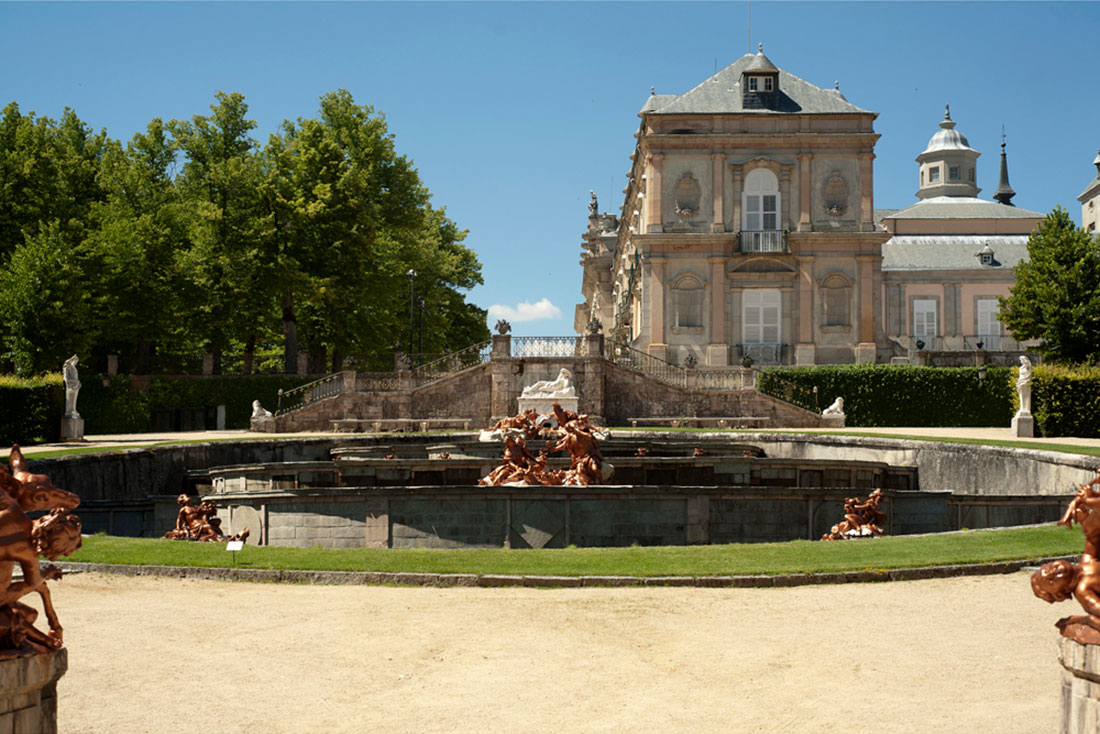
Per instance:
(22,541)
(570,432)
(199,522)
(861,519)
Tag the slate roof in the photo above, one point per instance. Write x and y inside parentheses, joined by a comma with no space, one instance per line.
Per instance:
(962,207)
(1092,187)
(952,252)
(721,93)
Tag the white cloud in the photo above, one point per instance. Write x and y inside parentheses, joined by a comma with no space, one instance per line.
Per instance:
(525,311)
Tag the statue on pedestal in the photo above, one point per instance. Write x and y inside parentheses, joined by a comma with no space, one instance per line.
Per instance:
(22,541)
(1060,580)
(72,385)
(561,387)
(1023,386)
(200,522)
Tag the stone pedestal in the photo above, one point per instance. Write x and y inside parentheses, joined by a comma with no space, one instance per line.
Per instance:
(28,692)
(804,354)
(1023,425)
(1080,690)
(866,353)
(833,420)
(718,355)
(72,429)
(545,406)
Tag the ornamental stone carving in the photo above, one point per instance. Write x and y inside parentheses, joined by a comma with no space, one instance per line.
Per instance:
(835,195)
(687,197)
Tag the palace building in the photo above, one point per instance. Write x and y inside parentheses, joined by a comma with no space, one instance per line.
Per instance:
(748,229)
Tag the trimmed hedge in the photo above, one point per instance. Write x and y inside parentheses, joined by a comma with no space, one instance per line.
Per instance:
(32,409)
(904,395)
(1066,401)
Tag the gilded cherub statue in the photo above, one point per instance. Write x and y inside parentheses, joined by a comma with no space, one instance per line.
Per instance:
(1059,580)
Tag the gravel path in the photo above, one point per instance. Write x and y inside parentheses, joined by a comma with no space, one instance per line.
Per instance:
(945,655)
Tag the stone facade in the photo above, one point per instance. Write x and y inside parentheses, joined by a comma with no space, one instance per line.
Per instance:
(1090,203)
(748,226)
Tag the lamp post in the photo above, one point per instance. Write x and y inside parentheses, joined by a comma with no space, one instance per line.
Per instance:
(412,304)
(420,326)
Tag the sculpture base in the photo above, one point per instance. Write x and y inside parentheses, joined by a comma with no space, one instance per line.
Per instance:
(833,420)
(1023,425)
(545,406)
(72,428)
(28,691)
(1080,691)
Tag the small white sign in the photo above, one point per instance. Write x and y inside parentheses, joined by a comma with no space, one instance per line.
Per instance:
(234,545)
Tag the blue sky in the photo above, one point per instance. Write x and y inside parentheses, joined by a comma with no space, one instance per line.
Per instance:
(513,111)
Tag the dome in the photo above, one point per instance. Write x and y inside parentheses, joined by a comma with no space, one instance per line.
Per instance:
(948,138)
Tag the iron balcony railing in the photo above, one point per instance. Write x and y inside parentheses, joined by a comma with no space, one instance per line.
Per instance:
(310,393)
(547,346)
(763,352)
(657,368)
(763,240)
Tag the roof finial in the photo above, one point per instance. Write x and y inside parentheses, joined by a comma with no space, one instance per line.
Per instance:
(652,90)
(1004,191)
(947,112)
(760,48)
(836,85)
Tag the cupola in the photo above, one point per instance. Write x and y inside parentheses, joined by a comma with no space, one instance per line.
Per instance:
(948,166)
(760,83)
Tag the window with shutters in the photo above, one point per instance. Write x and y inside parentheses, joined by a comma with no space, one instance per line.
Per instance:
(760,316)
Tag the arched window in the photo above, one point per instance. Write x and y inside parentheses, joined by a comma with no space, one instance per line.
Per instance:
(760,205)
(687,303)
(836,296)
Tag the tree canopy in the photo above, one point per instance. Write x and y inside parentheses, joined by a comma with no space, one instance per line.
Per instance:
(1056,296)
(193,237)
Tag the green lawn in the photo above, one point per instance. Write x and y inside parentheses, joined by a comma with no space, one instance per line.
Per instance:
(800,556)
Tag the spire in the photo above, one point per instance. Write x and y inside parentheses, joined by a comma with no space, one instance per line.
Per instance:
(1004,192)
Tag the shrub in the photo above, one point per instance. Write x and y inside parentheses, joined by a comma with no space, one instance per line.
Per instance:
(32,409)
(903,395)
(1066,400)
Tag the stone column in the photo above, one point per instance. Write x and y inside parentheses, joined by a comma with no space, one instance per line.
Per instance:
(654,207)
(867,192)
(785,218)
(718,349)
(592,393)
(718,221)
(865,350)
(657,345)
(804,351)
(736,184)
(28,691)
(805,223)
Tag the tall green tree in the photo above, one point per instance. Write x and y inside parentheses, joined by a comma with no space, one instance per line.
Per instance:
(220,183)
(349,217)
(139,242)
(1056,296)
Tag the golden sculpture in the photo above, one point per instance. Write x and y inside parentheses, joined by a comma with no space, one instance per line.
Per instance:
(22,541)
(861,519)
(199,522)
(575,436)
(1059,580)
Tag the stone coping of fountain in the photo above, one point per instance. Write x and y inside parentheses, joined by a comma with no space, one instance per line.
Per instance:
(358,578)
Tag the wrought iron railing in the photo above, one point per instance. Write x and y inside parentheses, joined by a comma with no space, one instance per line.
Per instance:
(922,342)
(720,380)
(547,346)
(626,356)
(375,381)
(763,240)
(470,356)
(993,343)
(763,352)
(310,393)
(771,383)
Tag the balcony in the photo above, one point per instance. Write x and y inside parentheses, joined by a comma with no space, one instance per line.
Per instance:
(764,353)
(763,240)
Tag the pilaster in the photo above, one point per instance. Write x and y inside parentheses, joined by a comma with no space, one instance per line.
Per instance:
(718,198)
(654,206)
(867,192)
(804,350)
(805,223)
(657,306)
